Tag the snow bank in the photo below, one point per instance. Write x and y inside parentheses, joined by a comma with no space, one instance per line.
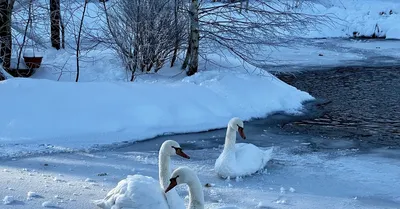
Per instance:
(69,115)
(393,33)
(365,17)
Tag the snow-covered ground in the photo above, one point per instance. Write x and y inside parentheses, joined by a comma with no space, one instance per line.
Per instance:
(297,177)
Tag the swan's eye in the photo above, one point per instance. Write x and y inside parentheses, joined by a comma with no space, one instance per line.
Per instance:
(174,179)
(177,149)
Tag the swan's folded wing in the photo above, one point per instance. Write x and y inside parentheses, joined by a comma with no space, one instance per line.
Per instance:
(110,199)
(144,192)
(174,200)
(249,159)
(136,191)
(119,189)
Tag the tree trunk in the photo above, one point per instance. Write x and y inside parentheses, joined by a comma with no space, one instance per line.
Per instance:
(25,33)
(136,45)
(194,37)
(188,53)
(5,32)
(2,77)
(176,34)
(55,16)
(78,42)
(62,33)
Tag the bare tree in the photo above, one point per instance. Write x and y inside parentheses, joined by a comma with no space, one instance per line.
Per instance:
(145,32)
(179,28)
(263,25)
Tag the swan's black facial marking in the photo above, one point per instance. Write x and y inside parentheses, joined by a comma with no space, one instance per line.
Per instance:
(241,132)
(172,183)
(177,148)
(179,152)
(174,178)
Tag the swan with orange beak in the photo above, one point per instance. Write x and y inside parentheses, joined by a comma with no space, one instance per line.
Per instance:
(133,191)
(240,159)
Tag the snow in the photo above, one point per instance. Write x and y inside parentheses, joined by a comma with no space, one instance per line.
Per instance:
(103,113)
(365,17)
(333,179)
(49,204)
(300,54)
(89,180)
(8,200)
(393,33)
(32,195)
(262,205)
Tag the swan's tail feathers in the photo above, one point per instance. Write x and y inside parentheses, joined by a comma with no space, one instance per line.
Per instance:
(268,155)
(100,203)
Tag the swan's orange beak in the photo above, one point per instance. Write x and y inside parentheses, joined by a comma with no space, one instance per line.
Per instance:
(171,185)
(182,154)
(241,132)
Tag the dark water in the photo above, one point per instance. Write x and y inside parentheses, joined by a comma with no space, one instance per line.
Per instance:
(360,103)
(355,108)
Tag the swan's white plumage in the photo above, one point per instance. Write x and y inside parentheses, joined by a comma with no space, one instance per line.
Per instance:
(143,192)
(174,200)
(133,192)
(240,159)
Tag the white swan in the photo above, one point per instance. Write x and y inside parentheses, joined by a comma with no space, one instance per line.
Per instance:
(241,159)
(143,192)
(184,175)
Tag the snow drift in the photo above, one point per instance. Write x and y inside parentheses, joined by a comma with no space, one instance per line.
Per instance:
(80,115)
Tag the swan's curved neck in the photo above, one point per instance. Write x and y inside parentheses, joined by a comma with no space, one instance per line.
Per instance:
(230,139)
(163,169)
(196,196)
